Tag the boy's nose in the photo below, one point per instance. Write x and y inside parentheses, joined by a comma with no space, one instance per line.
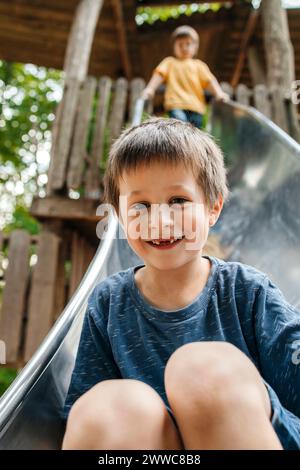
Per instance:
(161,219)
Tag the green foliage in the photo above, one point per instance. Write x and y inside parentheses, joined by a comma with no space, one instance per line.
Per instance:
(28,98)
(6,378)
(163,13)
(21,219)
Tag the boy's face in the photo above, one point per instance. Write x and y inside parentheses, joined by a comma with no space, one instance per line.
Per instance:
(185,48)
(164,214)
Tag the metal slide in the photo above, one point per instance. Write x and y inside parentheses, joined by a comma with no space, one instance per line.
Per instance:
(260,225)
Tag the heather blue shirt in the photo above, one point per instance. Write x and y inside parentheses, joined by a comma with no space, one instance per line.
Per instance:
(124,336)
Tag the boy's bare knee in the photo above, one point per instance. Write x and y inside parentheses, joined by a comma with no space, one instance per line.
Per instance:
(211,377)
(114,409)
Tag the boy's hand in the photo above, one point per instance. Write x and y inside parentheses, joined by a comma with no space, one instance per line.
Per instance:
(222,96)
(147,93)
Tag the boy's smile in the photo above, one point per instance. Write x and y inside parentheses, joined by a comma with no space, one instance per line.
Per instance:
(165,244)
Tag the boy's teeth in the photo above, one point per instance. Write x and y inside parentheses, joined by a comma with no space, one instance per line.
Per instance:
(157,242)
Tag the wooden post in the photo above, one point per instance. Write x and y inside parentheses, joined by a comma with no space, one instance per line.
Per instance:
(246,37)
(78,151)
(118,110)
(262,100)
(243,94)
(280,62)
(120,25)
(136,87)
(228,89)
(92,175)
(256,67)
(42,295)
(75,67)
(13,304)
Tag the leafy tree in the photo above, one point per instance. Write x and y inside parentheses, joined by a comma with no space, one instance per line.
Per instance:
(163,13)
(28,98)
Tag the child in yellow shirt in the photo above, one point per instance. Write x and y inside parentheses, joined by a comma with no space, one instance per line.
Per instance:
(186,79)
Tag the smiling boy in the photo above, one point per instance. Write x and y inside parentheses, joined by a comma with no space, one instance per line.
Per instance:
(184,351)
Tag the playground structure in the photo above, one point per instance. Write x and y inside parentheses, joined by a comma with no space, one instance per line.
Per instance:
(33,299)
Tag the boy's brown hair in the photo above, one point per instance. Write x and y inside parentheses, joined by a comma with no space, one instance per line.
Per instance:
(183,32)
(168,141)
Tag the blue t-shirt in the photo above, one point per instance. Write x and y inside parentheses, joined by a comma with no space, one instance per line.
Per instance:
(124,336)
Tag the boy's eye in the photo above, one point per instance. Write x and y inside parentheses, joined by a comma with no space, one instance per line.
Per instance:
(140,206)
(178,200)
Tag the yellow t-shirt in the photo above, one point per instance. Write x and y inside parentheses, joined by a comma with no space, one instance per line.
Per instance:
(185,83)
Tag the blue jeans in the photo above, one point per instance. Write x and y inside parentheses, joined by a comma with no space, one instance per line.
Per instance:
(188,116)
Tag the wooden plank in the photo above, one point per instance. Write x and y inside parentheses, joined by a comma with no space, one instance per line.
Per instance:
(82,254)
(55,133)
(256,66)
(90,252)
(123,43)
(117,115)
(245,39)
(243,94)
(136,87)
(56,207)
(262,100)
(75,263)
(39,17)
(79,142)
(82,262)
(60,296)
(42,299)
(279,114)
(13,305)
(61,148)
(28,11)
(92,176)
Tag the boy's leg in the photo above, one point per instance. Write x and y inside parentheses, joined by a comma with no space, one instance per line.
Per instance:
(178,114)
(121,414)
(218,398)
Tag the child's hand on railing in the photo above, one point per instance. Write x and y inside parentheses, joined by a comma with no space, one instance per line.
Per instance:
(222,96)
(147,93)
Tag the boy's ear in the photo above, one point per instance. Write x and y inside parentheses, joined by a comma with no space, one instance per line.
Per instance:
(215,211)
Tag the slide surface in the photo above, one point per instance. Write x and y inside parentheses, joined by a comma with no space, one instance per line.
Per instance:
(260,226)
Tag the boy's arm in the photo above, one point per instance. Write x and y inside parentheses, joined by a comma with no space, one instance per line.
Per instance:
(155,81)
(277,330)
(94,361)
(214,87)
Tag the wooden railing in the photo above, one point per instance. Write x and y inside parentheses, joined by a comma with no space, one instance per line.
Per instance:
(38,274)
(77,153)
(272,104)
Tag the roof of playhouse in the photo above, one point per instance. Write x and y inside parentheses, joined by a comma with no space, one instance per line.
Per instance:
(37,31)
